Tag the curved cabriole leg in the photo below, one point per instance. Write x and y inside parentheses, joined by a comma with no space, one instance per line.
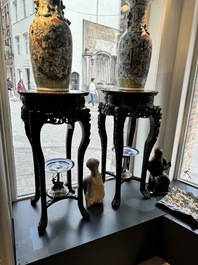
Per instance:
(70,131)
(150,141)
(85,126)
(36,197)
(130,136)
(35,128)
(119,119)
(103,139)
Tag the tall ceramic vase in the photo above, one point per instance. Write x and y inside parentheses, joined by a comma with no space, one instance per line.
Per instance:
(50,46)
(134,49)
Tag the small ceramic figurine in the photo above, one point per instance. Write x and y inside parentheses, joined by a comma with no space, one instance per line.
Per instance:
(158,179)
(93,185)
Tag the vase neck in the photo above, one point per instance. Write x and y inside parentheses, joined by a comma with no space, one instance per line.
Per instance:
(137,14)
(50,8)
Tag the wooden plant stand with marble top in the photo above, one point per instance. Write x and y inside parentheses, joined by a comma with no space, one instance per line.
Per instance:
(55,108)
(133,104)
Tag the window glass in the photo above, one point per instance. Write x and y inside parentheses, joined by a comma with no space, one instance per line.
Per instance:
(189,166)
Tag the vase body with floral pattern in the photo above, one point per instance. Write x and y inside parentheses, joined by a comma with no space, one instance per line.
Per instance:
(134,49)
(50,46)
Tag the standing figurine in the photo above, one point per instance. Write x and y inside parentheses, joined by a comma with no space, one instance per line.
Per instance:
(93,185)
(158,179)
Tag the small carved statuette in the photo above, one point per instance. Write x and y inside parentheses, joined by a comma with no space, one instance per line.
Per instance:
(92,184)
(158,179)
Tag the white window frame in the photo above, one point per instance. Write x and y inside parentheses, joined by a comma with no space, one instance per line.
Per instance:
(19,74)
(26,43)
(15,11)
(17,44)
(191,71)
(7,168)
(23,6)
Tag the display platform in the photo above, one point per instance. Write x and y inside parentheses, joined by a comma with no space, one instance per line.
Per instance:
(129,235)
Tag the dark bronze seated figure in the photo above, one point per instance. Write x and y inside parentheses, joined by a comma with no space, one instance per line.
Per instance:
(158,179)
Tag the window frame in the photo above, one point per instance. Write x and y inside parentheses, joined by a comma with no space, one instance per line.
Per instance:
(15,11)
(188,88)
(26,43)
(17,45)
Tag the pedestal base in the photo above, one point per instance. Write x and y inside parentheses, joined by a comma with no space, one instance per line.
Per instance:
(58,193)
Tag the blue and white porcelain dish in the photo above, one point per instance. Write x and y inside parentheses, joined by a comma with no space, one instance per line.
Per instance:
(59,165)
(128,151)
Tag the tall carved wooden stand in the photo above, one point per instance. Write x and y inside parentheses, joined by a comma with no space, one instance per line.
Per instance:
(55,108)
(132,104)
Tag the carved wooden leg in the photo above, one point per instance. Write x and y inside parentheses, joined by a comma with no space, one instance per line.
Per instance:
(35,128)
(130,131)
(85,126)
(103,138)
(150,141)
(119,119)
(36,197)
(70,131)
(130,136)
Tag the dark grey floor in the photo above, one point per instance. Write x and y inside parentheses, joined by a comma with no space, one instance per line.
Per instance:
(67,230)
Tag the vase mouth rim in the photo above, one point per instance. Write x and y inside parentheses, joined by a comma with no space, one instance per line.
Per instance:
(138,1)
(53,89)
(131,88)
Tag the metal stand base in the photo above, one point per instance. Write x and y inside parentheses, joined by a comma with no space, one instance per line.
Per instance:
(60,192)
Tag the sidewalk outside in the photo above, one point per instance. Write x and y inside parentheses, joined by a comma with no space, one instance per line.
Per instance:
(53,145)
